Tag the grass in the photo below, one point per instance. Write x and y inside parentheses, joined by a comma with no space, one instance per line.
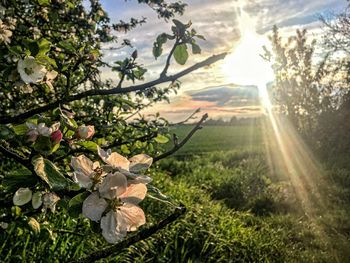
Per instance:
(219,138)
(237,212)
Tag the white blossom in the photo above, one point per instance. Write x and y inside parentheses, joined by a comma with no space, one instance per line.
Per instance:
(5,33)
(31,71)
(22,196)
(40,129)
(123,198)
(86,172)
(130,167)
(37,200)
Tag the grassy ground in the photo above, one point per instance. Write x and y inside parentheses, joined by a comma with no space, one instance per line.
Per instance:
(238,211)
(219,138)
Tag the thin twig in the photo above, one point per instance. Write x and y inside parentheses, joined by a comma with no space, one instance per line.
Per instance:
(142,235)
(187,119)
(184,141)
(136,112)
(167,63)
(116,90)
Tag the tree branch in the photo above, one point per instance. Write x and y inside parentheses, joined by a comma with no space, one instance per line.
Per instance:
(183,142)
(16,157)
(136,112)
(117,90)
(142,235)
(187,119)
(167,63)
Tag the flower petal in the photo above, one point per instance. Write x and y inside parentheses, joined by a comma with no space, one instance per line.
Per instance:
(118,161)
(138,178)
(22,196)
(113,185)
(43,130)
(112,229)
(94,206)
(31,126)
(134,193)
(114,159)
(83,164)
(82,180)
(131,216)
(140,162)
(37,200)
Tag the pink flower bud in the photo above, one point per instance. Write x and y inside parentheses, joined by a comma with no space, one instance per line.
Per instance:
(85,132)
(56,136)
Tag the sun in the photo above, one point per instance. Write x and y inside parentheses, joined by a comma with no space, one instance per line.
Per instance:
(245,66)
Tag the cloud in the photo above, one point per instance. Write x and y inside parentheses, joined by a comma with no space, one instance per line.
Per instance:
(218,21)
(228,95)
(285,13)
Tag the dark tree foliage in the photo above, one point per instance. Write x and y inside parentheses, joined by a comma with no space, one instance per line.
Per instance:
(57,113)
(312,90)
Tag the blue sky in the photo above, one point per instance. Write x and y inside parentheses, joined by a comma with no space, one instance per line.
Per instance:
(218,21)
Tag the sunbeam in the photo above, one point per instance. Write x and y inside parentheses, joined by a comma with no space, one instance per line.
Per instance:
(287,154)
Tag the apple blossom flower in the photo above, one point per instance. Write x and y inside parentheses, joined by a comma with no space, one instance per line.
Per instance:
(130,167)
(49,201)
(50,76)
(5,33)
(4,225)
(40,129)
(86,173)
(22,196)
(30,71)
(123,198)
(85,132)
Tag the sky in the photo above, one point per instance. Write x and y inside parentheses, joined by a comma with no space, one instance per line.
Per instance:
(240,27)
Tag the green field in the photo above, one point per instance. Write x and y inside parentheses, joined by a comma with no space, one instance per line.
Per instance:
(219,138)
(238,211)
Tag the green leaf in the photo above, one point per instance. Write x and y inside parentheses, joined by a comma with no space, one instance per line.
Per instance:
(200,37)
(32,46)
(44,2)
(5,132)
(43,59)
(196,49)
(157,46)
(181,54)
(19,178)
(44,46)
(91,146)
(162,38)
(43,145)
(55,148)
(138,144)
(179,24)
(67,45)
(139,72)
(76,203)
(125,149)
(16,50)
(47,171)
(20,129)
(161,139)
(157,50)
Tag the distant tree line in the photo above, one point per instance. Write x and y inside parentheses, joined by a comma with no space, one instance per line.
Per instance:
(234,121)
